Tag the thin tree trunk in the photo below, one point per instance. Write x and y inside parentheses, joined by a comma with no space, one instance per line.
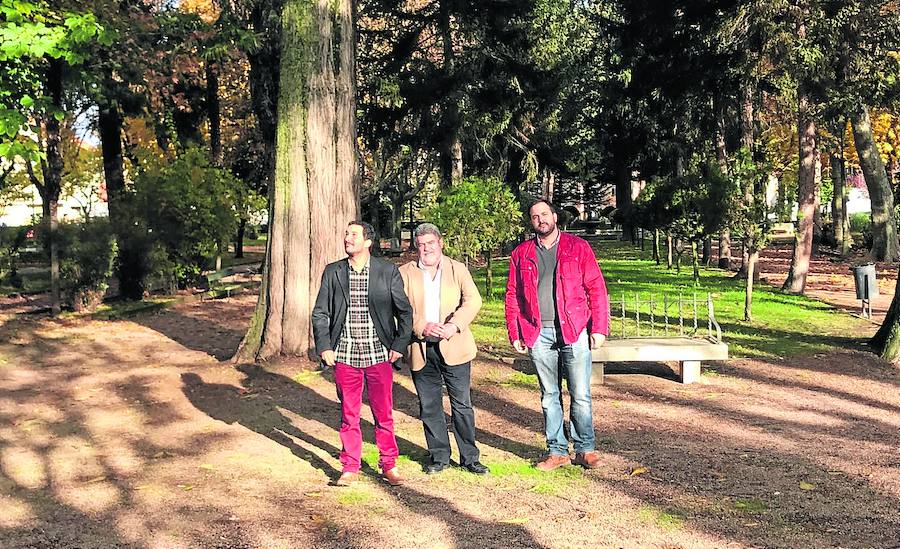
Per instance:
(239,241)
(669,251)
(624,200)
(695,262)
(837,202)
(451,153)
(52,170)
(656,255)
(795,282)
(315,165)
(213,111)
(489,275)
(885,246)
(722,160)
(707,251)
(748,288)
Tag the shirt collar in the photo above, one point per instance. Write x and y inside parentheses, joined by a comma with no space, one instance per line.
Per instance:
(555,242)
(364,268)
(425,269)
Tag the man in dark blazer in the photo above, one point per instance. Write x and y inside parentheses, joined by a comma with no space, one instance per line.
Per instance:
(362,324)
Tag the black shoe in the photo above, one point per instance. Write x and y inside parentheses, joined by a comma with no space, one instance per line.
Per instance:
(435,468)
(477,468)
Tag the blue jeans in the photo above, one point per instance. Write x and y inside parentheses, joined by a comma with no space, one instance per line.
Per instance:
(551,356)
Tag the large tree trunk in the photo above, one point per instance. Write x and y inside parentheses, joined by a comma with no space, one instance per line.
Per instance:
(315,165)
(886,340)
(885,246)
(265,73)
(213,112)
(795,282)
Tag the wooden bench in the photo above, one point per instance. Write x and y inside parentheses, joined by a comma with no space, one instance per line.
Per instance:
(689,352)
(684,346)
(215,284)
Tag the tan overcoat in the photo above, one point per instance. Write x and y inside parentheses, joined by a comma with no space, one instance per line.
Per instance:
(460,302)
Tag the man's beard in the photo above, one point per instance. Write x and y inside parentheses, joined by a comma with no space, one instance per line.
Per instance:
(548,231)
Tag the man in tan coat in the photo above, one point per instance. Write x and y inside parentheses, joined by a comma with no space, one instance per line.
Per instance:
(444,300)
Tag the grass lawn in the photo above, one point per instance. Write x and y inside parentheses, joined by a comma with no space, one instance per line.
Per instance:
(783,325)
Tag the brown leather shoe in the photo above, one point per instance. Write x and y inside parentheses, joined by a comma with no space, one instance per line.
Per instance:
(588,460)
(552,462)
(392,476)
(346,479)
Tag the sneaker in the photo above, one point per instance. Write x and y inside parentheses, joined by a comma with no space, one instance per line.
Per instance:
(347,478)
(392,476)
(588,460)
(552,462)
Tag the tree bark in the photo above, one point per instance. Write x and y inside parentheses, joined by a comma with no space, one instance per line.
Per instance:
(795,282)
(725,249)
(669,251)
(315,192)
(695,262)
(707,251)
(885,246)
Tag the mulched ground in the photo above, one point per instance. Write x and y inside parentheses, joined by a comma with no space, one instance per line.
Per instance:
(135,434)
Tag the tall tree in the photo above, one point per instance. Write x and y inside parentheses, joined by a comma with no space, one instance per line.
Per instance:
(315,191)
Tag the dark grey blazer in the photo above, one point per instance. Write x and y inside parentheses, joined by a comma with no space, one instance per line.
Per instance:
(388,305)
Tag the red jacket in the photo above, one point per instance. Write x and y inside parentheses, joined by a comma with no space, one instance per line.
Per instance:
(581,298)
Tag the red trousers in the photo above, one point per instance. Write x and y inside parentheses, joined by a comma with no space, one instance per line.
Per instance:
(379,380)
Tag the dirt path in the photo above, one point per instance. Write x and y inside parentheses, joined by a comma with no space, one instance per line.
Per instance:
(133,434)
(830,279)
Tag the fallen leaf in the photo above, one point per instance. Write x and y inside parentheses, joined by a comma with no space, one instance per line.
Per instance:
(185,487)
(807,486)
(207,467)
(639,471)
(313,494)
(96,479)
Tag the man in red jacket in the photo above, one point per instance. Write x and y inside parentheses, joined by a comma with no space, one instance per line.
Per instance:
(557,307)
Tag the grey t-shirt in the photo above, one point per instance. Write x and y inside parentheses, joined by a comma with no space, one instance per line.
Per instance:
(547,283)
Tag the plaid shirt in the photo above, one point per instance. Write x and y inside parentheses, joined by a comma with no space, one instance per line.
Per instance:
(359,345)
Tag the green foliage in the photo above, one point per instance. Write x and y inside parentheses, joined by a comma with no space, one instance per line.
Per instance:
(860,222)
(690,207)
(748,213)
(30,34)
(476,216)
(184,213)
(87,255)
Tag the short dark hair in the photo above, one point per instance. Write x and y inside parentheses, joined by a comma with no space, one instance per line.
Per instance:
(367,229)
(541,200)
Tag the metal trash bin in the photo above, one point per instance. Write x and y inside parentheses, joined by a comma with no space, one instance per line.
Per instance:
(864,276)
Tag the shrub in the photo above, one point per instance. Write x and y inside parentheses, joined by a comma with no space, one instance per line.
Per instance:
(86,256)
(860,222)
(187,209)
